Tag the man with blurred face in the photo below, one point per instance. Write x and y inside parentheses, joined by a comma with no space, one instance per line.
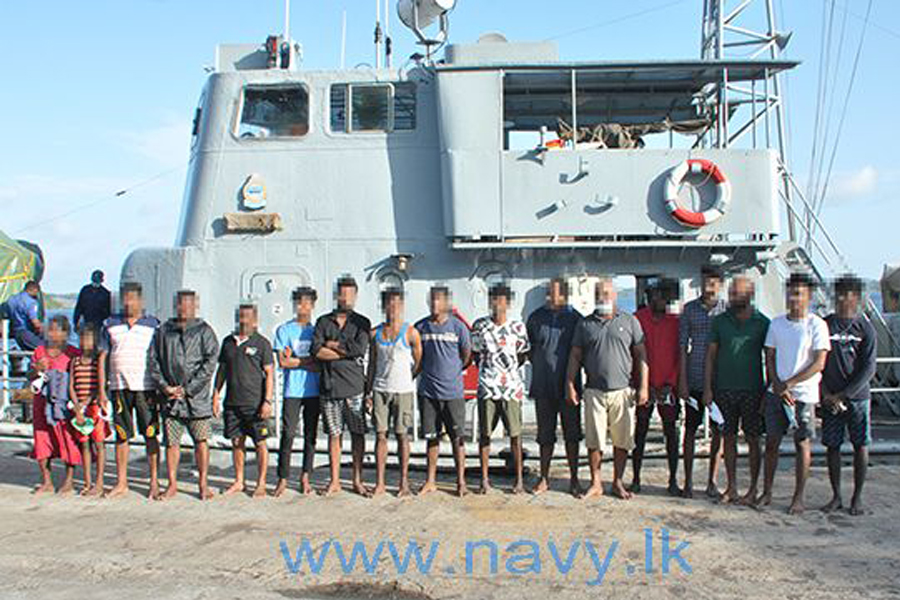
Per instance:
(247,366)
(127,341)
(608,344)
(293,341)
(734,379)
(340,343)
(183,361)
(660,327)
(693,333)
(446,353)
(395,353)
(500,346)
(550,331)
(24,314)
(845,389)
(797,346)
(94,304)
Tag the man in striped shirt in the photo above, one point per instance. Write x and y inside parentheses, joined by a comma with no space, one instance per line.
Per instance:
(126,341)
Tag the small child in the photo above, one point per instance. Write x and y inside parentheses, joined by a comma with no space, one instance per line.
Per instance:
(53,434)
(90,407)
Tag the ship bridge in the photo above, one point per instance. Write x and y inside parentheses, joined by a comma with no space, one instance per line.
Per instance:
(536,152)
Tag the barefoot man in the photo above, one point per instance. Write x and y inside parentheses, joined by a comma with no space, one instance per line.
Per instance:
(797,346)
(660,326)
(293,342)
(500,346)
(126,341)
(446,353)
(247,366)
(550,330)
(734,379)
(395,354)
(183,362)
(608,344)
(341,342)
(693,333)
(845,388)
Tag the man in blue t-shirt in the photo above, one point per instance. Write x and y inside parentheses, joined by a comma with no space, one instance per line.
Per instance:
(446,352)
(301,388)
(24,315)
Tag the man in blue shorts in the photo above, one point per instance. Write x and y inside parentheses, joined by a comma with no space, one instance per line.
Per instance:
(797,345)
(845,389)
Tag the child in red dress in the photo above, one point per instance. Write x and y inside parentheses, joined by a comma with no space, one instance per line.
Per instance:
(53,435)
(90,406)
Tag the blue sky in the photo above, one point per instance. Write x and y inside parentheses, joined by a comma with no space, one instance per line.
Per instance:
(99,94)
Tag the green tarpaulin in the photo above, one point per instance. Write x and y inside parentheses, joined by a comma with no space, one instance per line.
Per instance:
(18,264)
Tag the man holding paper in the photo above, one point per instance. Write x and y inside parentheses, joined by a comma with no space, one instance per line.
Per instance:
(797,346)
(734,379)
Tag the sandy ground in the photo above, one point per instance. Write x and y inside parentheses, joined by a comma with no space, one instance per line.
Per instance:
(232,548)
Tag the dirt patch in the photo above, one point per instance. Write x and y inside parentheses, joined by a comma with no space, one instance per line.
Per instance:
(356,591)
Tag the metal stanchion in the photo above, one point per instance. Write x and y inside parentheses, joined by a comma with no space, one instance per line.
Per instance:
(4,361)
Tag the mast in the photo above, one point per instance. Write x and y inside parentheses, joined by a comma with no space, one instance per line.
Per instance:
(730,25)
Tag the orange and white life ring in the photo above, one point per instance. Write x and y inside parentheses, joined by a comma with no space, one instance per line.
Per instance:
(697,166)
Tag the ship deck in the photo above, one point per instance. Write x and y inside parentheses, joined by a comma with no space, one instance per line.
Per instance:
(231,547)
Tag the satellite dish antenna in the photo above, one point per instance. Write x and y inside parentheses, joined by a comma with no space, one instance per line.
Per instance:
(492,37)
(418,15)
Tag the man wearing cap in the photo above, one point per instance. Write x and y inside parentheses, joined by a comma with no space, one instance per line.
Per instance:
(94,302)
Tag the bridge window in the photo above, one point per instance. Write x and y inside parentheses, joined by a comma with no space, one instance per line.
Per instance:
(274,111)
(368,107)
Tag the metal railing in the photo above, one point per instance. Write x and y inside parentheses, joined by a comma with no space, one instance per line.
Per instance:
(7,379)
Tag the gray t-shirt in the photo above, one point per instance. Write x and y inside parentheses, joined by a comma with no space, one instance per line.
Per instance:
(606,349)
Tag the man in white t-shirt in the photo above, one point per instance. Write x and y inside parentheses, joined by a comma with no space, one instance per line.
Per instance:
(797,345)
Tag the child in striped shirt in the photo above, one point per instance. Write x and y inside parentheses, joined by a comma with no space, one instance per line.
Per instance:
(90,407)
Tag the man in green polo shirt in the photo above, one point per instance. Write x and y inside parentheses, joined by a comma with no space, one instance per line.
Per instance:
(734,379)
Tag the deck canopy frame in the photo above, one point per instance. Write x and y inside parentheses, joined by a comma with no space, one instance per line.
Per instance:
(683,96)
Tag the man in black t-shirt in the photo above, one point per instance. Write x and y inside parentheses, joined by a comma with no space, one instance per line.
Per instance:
(246,364)
(846,394)
(550,332)
(341,344)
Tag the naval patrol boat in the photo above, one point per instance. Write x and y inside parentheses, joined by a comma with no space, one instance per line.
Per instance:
(480,162)
(488,161)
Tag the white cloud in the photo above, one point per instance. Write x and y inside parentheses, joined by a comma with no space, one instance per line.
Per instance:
(854,185)
(167,144)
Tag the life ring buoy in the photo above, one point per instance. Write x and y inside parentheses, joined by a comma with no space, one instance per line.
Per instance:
(697,166)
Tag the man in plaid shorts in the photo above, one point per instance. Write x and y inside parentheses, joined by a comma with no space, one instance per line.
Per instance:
(734,379)
(340,342)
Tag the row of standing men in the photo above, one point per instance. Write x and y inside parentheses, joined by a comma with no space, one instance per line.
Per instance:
(601,376)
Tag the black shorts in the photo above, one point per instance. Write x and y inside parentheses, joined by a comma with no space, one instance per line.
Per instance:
(741,408)
(443,415)
(549,413)
(693,417)
(135,407)
(245,421)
